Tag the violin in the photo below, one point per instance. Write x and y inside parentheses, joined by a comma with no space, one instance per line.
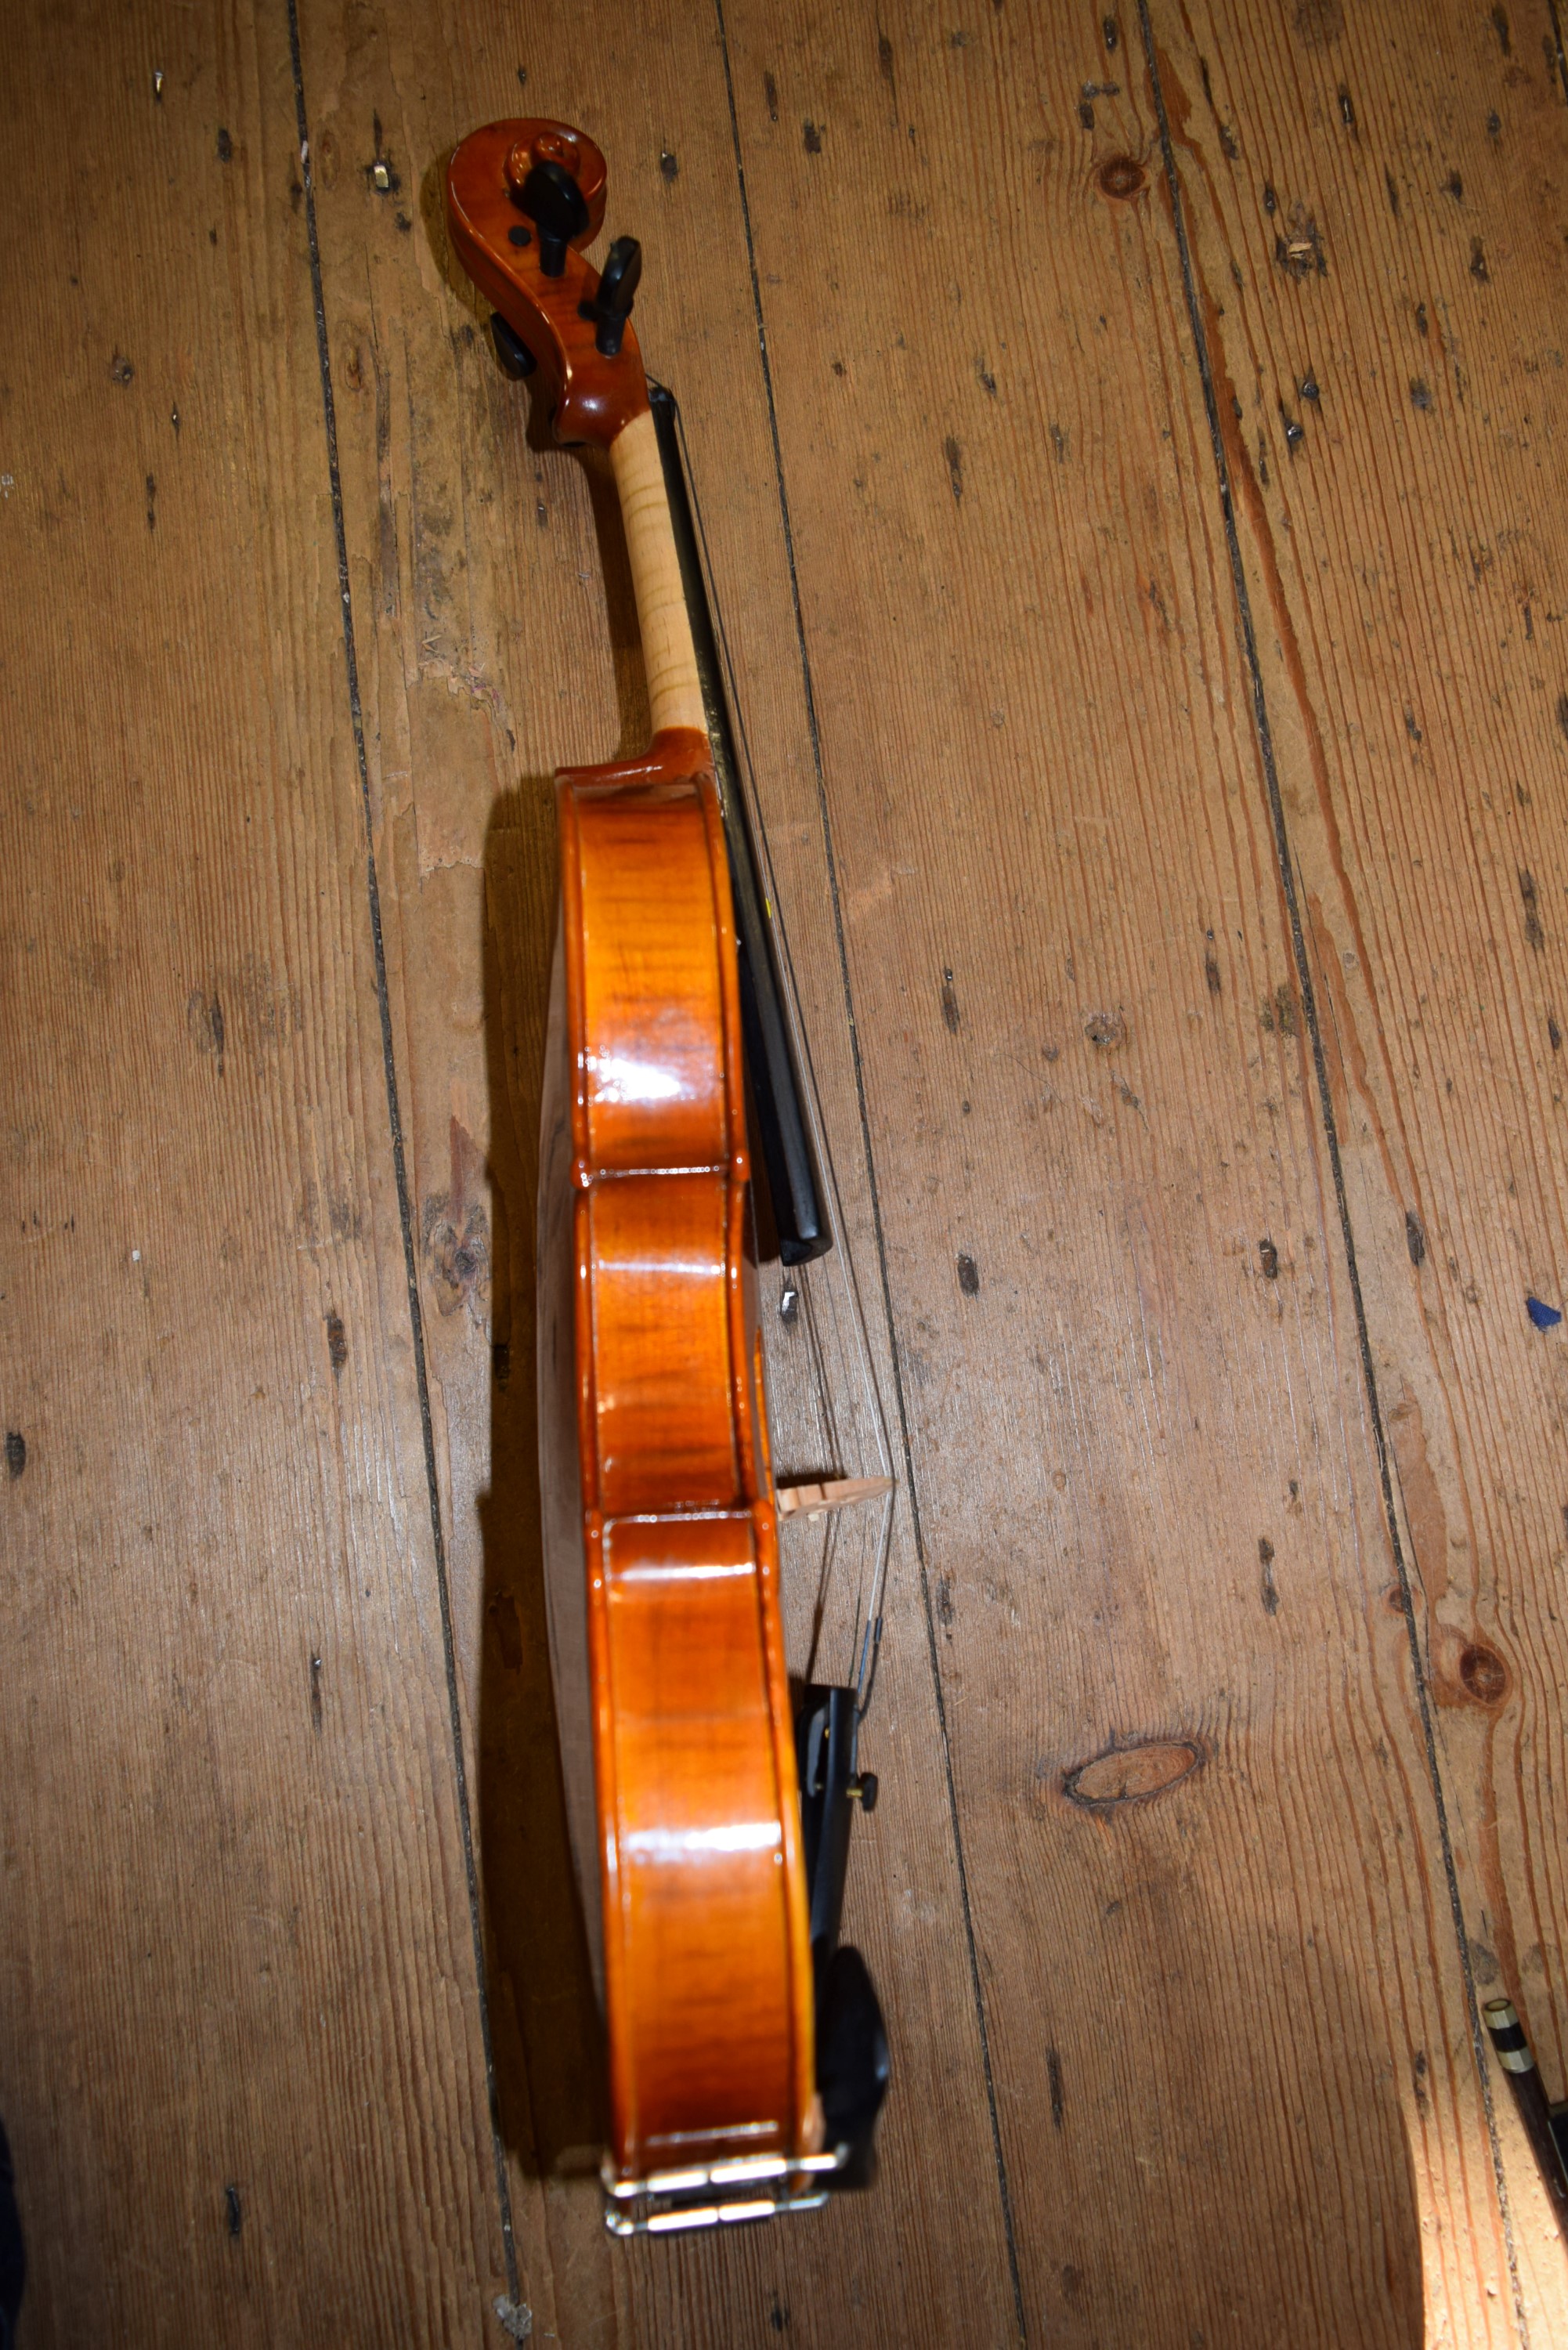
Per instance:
(746,2054)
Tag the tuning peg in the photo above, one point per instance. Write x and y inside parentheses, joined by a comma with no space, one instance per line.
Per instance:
(555,203)
(511,350)
(611,307)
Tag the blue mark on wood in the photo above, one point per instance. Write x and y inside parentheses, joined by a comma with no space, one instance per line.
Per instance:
(1545,1318)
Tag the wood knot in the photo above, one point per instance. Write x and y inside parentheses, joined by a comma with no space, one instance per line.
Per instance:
(1484,1675)
(1121,178)
(1131,1774)
(458,1260)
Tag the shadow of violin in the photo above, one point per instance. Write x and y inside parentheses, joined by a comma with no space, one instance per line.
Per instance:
(548,2048)
(547,2041)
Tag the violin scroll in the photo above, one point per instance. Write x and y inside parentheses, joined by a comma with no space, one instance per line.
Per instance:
(522,199)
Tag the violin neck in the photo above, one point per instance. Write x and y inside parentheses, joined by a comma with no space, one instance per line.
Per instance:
(670,658)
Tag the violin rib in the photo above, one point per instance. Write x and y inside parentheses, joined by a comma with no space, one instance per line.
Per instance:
(707,1980)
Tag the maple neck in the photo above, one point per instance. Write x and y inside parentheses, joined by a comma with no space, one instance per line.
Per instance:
(668,655)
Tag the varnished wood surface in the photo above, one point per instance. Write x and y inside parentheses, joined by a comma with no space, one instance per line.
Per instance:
(1158,1892)
(707,1958)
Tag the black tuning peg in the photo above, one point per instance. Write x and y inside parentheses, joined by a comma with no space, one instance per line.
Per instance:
(511,350)
(611,306)
(555,203)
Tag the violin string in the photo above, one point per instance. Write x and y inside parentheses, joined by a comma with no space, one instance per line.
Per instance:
(838,1528)
(821,1450)
(870,1640)
(831,1451)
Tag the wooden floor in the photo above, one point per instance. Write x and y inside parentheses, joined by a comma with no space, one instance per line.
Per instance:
(1134,454)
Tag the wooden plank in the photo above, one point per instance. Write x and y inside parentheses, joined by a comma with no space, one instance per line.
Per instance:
(1228,2025)
(1401,524)
(1231,2031)
(240,2050)
(497,641)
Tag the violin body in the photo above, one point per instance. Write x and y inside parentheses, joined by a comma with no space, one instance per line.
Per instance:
(707,1966)
(661,1533)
